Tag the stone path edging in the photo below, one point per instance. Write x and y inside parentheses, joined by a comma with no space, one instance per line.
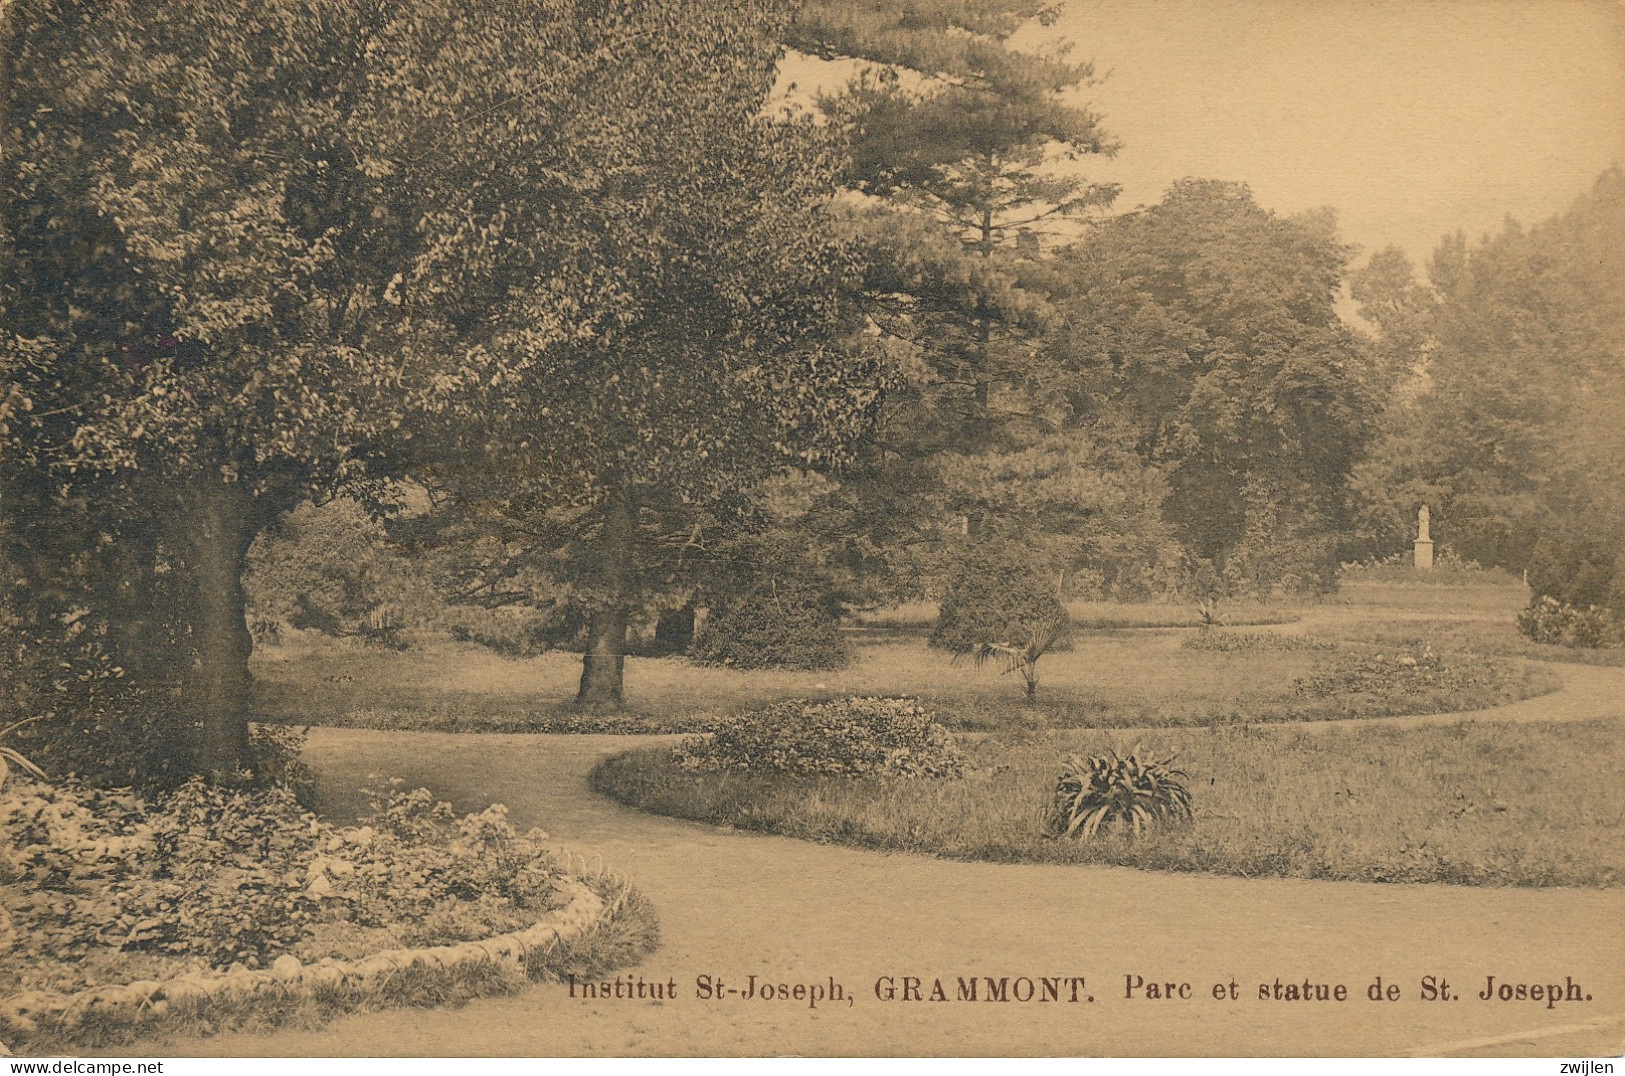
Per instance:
(142,1002)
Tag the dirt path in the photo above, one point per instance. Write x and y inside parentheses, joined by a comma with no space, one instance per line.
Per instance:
(736,904)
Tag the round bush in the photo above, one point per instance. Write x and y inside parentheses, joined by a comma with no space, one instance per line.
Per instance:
(1581,571)
(782,624)
(1547,620)
(995,600)
(851,737)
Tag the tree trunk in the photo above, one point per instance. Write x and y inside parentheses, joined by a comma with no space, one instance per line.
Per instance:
(603,663)
(215,681)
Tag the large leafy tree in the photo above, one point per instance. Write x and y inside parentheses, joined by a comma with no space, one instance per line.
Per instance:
(1206,325)
(628,470)
(259,254)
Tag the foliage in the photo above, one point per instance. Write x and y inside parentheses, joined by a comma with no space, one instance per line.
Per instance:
(311,198)
(522,632)
(728,350)
(74,710)
(316,203)
(1255,642)
(1448,570)
(1580,560)
(332,569)
(1548,620)
(116,887)
(1206,325)
(783,622)
(1080,505)
(965,145)
(995,597)
(1512,437)
(851,737)
(1020,657)
(1106,790)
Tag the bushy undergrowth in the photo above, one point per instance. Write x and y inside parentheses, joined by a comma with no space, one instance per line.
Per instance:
(104,886)
(1448,570)
(514,633)
(851,737)
(1548,620)
(786,623)
(1260,642)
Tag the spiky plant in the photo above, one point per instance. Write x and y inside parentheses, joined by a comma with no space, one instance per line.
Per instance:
(9,755)
(1109,789)
(1022,658)
(1208,615)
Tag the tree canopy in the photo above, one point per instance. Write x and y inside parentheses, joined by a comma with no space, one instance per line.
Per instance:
(257,255)
(1206,325)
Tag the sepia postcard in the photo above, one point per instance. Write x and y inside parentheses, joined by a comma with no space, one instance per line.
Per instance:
(727,528)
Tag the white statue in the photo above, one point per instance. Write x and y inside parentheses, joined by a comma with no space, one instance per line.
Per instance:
(1422,525)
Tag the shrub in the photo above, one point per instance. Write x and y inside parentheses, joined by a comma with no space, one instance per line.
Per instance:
(851,737)
(785,622)
(997,599)
(74,709)
(1021,659)
(1547,620)
(332,568)
(1255,642)
(1107,790)
(1579,562)
(515,632)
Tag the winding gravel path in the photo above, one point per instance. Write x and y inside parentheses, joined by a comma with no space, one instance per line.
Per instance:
(735,904)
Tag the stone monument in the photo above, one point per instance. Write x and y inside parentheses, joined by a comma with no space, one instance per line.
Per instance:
(1424,543)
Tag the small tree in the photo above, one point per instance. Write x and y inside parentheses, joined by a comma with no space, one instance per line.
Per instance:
(1022,657)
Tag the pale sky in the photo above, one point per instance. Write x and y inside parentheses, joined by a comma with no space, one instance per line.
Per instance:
(1411,118)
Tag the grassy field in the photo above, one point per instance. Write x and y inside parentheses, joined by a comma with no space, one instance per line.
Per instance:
(1473,803)
(1112,677)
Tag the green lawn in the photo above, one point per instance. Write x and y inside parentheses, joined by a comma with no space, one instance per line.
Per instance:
(1483,803)
(1112,676)
(1472,803)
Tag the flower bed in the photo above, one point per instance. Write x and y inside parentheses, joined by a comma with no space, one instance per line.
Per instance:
(205,904)
(1410,673)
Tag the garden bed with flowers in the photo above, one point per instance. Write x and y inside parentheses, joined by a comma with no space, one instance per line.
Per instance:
(208,907)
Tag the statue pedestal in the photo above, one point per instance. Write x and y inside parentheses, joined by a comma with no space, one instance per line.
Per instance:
(1424,555)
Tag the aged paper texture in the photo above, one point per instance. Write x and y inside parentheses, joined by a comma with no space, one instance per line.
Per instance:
(793,929)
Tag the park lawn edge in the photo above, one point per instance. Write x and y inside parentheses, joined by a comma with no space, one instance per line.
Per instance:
(1531,679)
(866,813)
